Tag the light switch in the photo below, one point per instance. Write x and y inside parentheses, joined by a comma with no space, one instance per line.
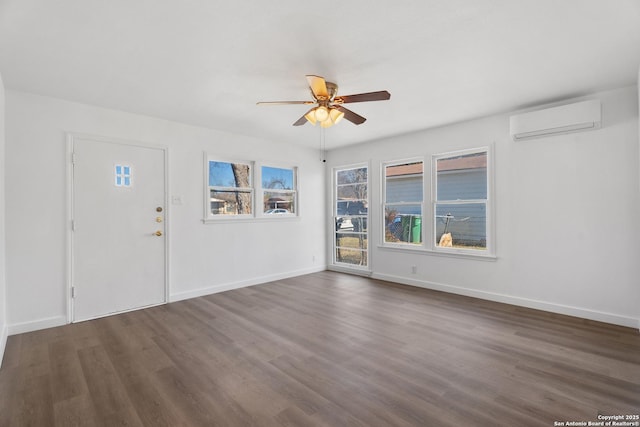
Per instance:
(176,200)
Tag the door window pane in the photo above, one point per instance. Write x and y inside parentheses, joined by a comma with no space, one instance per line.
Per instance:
(123,176)
(351,212)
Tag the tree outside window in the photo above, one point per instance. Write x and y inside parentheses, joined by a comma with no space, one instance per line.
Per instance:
(278,190)
(230,190)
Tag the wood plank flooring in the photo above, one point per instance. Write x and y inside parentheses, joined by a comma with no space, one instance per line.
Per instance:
(325,349)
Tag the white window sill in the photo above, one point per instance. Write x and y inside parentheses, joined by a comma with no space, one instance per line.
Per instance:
(245,219)
(441,252)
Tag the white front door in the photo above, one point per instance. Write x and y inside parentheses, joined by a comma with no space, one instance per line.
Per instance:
(118,227)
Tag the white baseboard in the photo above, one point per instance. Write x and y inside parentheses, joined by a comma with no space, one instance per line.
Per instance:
(34,325)
(51,322)
(599,316)
(179,296)
(3,342)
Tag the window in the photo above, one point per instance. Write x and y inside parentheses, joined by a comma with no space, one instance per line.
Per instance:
(350,216)
(402,202)
(278,191)
(230,187)
(123,176)
(461,200)
(230,191)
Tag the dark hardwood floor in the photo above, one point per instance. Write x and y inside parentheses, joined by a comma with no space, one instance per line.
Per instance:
(325,349)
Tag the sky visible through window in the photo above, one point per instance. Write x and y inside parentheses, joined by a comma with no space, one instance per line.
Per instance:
(277,178)
(221,175)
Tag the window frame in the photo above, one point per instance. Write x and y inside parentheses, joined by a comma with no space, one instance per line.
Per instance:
(384,204)
(364,231)
(489,251)
(262,190)
(208,216)
(124,178)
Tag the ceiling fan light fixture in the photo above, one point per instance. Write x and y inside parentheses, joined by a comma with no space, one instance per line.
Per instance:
(335,115)
(326,124)
(311,117)
(321,113)
(327,106)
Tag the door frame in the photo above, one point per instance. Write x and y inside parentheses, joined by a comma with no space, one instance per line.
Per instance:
(72,139)
(332,264)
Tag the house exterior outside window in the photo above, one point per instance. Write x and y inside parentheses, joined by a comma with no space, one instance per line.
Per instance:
(461,201)
(229,189)
(403,189)
(279,190)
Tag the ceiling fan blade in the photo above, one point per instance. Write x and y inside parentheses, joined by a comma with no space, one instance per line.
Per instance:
(318,86)
(382,95)
(285,102)
(354,118)
(302,120)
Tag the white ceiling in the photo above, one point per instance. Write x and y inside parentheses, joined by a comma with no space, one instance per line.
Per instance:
(207,63)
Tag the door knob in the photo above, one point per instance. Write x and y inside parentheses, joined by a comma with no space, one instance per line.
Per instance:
(158,233)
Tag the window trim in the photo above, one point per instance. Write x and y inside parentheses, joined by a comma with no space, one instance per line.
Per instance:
(334,214)
(383,190)
(208,216)
(123,179)
(257,192)
(261,190)
(489,252)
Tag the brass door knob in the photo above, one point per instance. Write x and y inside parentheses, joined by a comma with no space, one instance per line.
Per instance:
(158,233)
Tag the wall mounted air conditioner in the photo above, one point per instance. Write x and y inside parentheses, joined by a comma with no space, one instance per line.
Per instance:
(581,116)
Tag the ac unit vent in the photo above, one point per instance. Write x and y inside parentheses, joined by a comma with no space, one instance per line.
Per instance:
(577,117)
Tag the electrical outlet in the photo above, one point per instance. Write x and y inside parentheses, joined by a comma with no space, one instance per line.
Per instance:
(414,269)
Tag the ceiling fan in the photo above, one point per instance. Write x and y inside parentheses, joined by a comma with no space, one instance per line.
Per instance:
(328,109)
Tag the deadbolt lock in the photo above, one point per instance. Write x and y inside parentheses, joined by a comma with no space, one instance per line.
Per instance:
(159,209)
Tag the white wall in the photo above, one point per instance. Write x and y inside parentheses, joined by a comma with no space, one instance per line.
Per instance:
(567,210)
(204,258)
(3,293)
